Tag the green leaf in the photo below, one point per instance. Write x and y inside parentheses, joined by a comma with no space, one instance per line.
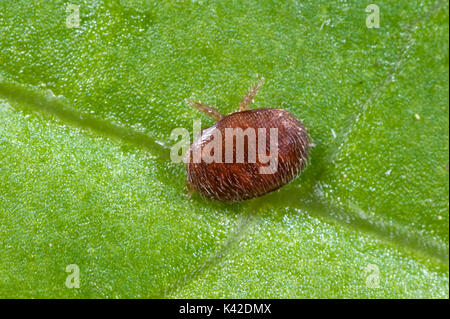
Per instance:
(86,179)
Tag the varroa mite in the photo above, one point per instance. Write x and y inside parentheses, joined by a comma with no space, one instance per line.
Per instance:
(236,181)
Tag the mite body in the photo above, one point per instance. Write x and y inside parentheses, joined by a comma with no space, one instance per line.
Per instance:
(254,152)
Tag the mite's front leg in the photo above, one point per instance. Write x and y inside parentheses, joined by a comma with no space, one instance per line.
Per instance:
(209,110)
(248,99)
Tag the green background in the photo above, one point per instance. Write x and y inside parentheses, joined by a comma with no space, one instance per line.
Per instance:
(85,177)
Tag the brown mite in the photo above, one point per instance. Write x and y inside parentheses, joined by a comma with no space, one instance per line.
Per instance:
(233,180)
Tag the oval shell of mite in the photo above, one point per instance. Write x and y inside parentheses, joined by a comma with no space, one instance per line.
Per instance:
(239,181)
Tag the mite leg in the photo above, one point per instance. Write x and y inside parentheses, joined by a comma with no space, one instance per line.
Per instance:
(210,111)
(248,99)
(190,190)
